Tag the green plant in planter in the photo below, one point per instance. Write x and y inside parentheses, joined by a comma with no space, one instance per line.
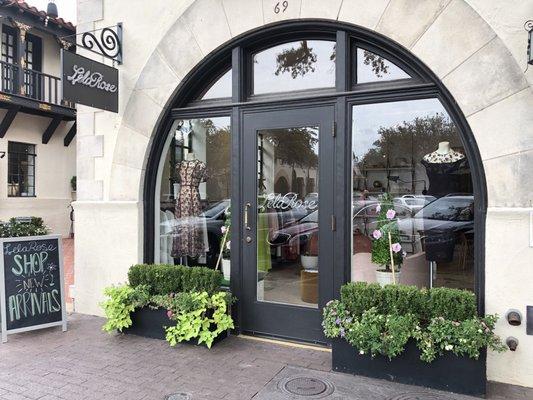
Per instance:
(198,315)
(381,320)
(381,247)
(122,300)
(17,228)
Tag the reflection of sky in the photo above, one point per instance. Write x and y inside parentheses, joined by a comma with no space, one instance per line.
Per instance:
(369,118)
(221,88)
(265,65)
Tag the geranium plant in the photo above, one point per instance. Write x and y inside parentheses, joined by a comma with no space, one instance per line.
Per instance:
(386,247)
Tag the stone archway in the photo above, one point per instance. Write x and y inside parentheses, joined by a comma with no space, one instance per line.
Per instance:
(448,36)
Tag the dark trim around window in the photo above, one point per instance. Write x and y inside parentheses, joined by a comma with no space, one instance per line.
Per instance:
(18,153)
(426,85)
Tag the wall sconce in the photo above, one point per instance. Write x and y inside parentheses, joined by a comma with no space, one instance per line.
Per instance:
(528,26)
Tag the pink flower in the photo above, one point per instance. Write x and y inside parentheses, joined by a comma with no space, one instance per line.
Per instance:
(223,229)
(396,247)
(378,208)
(377,234)
(170,314)
(391,214)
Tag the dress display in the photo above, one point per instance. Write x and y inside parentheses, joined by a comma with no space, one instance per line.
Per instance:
(190,231)
(447,173)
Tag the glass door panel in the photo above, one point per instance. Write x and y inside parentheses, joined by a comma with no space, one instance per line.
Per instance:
(287,236)
(287,215)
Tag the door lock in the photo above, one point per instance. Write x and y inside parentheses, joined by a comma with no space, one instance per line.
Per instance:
(248,239)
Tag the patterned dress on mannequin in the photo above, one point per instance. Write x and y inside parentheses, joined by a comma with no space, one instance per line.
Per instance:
(189,230)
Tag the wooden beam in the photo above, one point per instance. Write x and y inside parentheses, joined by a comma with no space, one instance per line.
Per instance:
(51,129)
(8,119)
(70,135)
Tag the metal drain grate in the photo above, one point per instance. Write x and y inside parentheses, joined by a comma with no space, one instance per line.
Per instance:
(178,396)
(307,387)
(421,396)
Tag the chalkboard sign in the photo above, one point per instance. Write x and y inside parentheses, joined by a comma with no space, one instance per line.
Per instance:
(31,284)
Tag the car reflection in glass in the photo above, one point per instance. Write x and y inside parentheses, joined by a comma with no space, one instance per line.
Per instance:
(212,219)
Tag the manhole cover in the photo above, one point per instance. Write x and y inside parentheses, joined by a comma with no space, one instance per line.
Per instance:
(178,396)
(421,396)
(307,386)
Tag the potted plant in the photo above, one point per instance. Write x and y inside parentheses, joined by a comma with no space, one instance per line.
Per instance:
(309,258)
(432,338)
(386,248)
(172,302)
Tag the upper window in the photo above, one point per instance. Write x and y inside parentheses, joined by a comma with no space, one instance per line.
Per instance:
(21,170)
(372,67)
(305,64)
(221,88)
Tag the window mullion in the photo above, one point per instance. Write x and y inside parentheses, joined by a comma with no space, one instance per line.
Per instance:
(343,62)
(239,75)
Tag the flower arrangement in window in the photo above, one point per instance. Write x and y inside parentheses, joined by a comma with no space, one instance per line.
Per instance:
(387,251)
(225,246)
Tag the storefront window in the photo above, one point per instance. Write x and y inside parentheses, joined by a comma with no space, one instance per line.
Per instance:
(306,64)
(375,68)
(195,191)
(287,220)
(412,197)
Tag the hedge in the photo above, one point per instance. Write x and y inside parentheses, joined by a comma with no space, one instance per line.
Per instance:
(162,279)
(451,304)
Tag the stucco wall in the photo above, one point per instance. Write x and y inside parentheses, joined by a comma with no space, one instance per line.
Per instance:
(55,165)
(476,47)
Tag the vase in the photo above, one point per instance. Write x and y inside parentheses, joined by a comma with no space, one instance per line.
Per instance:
(226,268)
(384,277)
(309,263)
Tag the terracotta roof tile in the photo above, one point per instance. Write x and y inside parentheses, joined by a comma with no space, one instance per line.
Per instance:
(23,6)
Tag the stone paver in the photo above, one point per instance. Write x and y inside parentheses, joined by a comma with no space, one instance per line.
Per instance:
(85,363)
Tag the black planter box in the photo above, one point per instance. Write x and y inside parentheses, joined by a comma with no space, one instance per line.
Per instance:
(151,323)
(448,372)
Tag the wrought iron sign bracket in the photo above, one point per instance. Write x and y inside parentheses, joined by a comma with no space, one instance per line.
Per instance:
(106,42)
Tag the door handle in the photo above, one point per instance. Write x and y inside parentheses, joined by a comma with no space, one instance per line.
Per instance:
(246,208)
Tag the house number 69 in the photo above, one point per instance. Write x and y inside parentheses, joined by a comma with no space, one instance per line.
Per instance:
(281,6)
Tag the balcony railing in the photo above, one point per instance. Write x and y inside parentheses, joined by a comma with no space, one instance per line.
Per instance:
(36,85)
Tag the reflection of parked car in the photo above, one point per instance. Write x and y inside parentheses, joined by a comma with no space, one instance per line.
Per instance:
(412,202)
(441,220)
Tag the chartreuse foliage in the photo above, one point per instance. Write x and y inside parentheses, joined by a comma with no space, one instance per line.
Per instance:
(381,320)
(191,297)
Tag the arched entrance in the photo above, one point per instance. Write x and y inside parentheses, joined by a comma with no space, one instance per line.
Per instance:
(352,117)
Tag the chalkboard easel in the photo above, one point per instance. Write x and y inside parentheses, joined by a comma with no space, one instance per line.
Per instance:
(31,284)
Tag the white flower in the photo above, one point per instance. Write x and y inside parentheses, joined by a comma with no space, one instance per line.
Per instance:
(448,347)
(361,352)
(227,244)
(223,229)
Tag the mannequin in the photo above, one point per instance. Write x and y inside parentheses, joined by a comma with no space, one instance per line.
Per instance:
(190,233)
(447,171)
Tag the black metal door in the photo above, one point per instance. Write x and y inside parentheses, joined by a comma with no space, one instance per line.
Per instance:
(288,220)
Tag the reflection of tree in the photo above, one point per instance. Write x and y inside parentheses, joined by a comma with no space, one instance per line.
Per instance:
(296,60)
(300,60)
(218,150)
(295,146)
(378,64)
(413,139)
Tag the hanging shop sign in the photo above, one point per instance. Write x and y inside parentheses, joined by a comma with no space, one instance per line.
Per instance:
(89,82)
(31,284)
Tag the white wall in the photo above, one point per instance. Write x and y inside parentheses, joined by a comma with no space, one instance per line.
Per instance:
(476,47)
(55,165)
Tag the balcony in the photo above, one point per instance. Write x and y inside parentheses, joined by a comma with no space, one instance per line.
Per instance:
(33,92)
(37,85)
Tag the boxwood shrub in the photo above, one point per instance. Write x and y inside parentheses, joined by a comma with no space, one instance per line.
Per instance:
(451,304)
(163,279)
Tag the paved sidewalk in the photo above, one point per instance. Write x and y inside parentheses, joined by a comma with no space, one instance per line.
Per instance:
(85,363)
